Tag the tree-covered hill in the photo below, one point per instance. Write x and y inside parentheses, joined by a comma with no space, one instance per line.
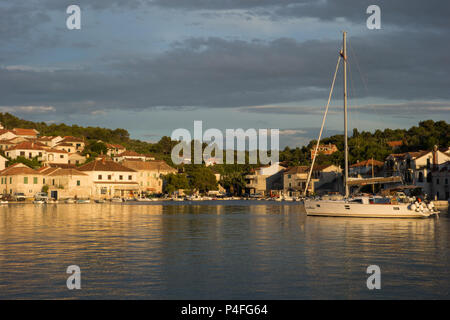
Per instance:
(362,145)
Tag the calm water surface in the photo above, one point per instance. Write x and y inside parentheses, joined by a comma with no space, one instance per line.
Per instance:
(217,250)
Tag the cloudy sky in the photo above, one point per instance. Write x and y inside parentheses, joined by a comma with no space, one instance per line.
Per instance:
(151,66)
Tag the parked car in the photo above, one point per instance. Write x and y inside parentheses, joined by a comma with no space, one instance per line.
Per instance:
(19,196)
(41,196)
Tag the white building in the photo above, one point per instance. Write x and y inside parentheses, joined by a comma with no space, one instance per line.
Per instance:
(111,179)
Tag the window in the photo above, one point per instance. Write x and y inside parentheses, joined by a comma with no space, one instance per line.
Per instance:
(120,177)
(35,180)
(22,153)
(78,182)
(446,181)
(100,177)
(43,181)
(25,180)
(130,177)
(437,181)
(109,177)
(61,156)
(40,154)
(420,177)
(289,176)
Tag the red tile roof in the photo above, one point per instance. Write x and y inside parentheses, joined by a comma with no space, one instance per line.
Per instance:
(159,165)
(396,143)
(72,139)
(104,165)
(66,172)
(130,153)
(18,170)
(25,132)
(28,146)
(368,163)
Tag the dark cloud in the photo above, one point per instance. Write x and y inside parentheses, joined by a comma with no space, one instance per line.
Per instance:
(215,72)
(416,13)
(406,108)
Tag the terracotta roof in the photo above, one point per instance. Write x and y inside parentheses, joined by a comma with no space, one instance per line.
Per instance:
(396,143)
(25,132)
(297,169)
(55,151)
(67,172)
(18,170)
(114,146)
(64,144)
(47,170)
(367,163)
(305,169)
(159,165)
(28,146)
(104,165)
(46,138)
(418,154)
(396,155)
(130,153)
(3,131)
(62,165)
(72,139)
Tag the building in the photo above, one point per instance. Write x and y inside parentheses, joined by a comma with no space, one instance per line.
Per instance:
(395,144)
(265,179)
(111,179)
(364,168)
(77,143)
(67,183)
(25,133)
(130,155)
(6,134)
(294,180)
(114,149)
(324,179)
(49,141)
(433,180)
(55,156)
(6,144)
(326,149)
(406,164)
(3,162)
(28,150)
(19,178)
(149,174)
(76,158)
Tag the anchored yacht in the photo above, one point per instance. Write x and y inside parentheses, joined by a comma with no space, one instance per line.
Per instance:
(370,207)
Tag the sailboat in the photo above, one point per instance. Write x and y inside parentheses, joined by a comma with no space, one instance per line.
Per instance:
(365,206)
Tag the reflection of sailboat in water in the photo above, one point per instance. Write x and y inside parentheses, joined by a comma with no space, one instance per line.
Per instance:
(374,207)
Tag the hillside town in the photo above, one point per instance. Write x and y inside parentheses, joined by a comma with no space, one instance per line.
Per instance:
(65,172)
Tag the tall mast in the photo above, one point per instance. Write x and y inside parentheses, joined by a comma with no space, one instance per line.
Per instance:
(344,53)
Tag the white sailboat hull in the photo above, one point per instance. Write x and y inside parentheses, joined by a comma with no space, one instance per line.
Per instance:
(348,209)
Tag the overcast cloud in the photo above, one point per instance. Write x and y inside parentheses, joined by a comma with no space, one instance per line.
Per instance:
(245,56)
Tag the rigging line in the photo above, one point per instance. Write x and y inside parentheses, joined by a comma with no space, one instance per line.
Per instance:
(359,69)
(323,124)
(364,80)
